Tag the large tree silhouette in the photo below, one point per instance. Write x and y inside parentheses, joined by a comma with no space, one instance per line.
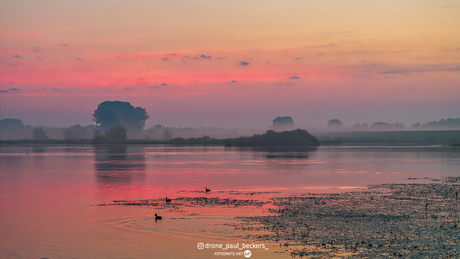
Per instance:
(283,123)
(116,113)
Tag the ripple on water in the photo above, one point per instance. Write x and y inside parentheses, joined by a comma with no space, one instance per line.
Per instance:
(203,226)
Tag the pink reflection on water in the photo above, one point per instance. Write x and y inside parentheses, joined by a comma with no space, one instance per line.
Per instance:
(49,195)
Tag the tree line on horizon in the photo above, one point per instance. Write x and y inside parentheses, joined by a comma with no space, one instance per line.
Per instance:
(337,125)
(443,124)
(110,116)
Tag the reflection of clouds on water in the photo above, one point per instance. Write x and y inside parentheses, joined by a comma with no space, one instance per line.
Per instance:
(119,164)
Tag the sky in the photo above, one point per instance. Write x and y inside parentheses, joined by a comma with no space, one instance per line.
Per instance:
(231,63)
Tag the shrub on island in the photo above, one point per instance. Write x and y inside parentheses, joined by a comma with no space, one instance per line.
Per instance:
(293,138)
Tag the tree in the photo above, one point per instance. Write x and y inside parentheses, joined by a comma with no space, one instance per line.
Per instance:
(383,126)
(98,138)
(283,123)
(79,132)
(449,124)
(115,113)
(112,136)
(11,122)
(14,129)
(116,134)
(335,124)
(415,126)
(39,134)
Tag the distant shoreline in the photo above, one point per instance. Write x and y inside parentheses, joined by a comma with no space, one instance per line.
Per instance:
(161,143)
(437,137)
(399,138)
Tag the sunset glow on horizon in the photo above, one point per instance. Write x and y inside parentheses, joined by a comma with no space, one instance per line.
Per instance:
(231,63)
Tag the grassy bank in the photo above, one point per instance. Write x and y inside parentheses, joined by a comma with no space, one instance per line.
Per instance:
(444,137)
(447,137)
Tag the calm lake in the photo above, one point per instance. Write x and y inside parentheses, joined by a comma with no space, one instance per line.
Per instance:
(58,201)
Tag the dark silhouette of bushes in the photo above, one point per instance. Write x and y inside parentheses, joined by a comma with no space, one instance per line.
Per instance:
(77,132)
(205,140)
(294,138)
(39,134)
(115,135)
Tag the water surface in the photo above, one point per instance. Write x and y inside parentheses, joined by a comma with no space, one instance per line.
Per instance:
(49,194)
